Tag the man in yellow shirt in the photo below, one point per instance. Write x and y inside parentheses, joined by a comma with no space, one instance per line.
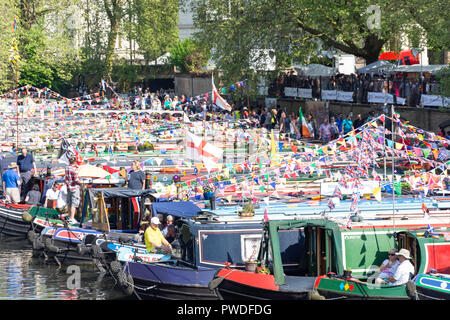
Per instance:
(154,239)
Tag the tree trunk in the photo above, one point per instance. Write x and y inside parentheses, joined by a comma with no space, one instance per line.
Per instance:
(372,48)
(112,37)
(113,10)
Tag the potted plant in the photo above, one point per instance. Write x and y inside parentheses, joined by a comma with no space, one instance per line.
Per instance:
(248,210)
(251,263)
(208,192)
(263,270)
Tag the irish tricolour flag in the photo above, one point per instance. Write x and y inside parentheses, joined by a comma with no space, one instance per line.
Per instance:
(305,130)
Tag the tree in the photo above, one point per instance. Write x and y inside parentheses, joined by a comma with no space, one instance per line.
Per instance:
(299,29)
(7,13)
(114,11)
(443,76)
(432,17)
(155,26)
(189,55)
(47,57)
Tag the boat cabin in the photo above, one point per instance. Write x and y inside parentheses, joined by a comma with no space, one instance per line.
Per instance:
(210,240)
(430,251)
(118,209)
(333,248)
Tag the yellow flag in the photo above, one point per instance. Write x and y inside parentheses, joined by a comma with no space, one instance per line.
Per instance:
(272,143)
(377,193)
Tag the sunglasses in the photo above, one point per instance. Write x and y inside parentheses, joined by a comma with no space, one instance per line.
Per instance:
(392,254)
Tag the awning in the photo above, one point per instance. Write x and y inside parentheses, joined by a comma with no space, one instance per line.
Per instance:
(120,192)
(182,209)
(432,68)
(315,70)
(376,67)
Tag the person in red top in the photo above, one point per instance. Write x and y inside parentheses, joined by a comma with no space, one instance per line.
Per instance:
(73,189)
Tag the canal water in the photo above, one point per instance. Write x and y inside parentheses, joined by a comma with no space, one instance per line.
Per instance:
(23,277)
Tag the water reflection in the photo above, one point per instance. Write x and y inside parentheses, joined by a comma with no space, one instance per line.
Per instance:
(25,277)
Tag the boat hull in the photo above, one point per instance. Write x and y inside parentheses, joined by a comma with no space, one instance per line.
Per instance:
(240,285)
(168,282)
(11,222)
(353,289)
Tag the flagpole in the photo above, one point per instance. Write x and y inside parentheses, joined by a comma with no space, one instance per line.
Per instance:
(384,144)
(393,166)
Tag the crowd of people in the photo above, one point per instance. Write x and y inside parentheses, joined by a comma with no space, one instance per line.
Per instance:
(359,84)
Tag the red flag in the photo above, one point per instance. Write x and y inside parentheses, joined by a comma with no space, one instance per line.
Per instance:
(266,216)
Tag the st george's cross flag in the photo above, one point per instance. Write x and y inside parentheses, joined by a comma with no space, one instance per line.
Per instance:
(198,149)
(218,100)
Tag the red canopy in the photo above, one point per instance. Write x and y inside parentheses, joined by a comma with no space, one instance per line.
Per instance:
(406,57)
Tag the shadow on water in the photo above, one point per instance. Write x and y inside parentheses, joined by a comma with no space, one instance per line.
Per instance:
(23,277)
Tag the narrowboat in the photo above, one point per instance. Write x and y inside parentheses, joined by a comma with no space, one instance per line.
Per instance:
(217,237)
(114,212)
(341,262)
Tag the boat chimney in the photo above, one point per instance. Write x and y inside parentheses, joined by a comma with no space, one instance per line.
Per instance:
(347,274)
(212,201)
(148,179)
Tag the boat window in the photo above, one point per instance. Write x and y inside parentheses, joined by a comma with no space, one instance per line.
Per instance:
(100,214)
(319,250)
(186,240)
(409,242)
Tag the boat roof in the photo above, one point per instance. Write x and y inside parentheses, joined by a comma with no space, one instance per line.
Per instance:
(121,192)
(183,209)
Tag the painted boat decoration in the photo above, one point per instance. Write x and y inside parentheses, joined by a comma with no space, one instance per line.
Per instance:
(432,286)
(128,254)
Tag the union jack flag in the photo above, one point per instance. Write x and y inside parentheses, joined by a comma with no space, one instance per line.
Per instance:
(337,192)
(330,204)
(349,223)
(443,155)
(354,205)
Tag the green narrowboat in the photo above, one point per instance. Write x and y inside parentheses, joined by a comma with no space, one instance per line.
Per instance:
(341,262)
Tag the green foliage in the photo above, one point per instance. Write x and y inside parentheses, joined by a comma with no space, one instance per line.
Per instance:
(125,75)
(189,55)
(248,207)
(7,13)
(443,76)
(298,30)
(47,60)
(153,26)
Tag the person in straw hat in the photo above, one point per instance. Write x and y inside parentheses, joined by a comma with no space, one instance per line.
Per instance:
(405,270)
(11,184)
